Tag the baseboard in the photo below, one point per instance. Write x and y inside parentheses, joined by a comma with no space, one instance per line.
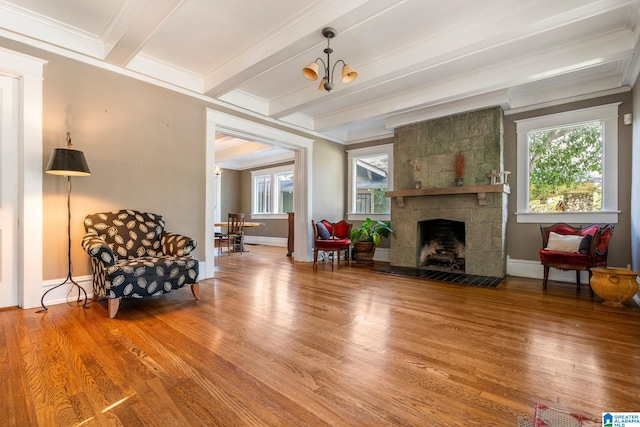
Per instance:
(66,293)
(206,269)
(535,270)
(382,255)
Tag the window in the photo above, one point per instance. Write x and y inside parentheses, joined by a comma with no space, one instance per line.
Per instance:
(262,186)
(284,190)
(567,166)
(272,192)
(370,177)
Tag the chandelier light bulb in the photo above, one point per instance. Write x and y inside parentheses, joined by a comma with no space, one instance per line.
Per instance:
(311,71)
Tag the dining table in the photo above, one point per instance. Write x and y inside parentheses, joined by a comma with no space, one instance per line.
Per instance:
(246,224)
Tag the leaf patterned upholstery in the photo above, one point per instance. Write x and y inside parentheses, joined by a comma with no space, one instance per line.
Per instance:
(132,256)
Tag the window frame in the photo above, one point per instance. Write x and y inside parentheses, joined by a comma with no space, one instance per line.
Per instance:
(352,158)
(608,114)
(273,173)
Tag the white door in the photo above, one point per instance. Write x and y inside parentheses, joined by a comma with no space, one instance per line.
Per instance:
(9,291)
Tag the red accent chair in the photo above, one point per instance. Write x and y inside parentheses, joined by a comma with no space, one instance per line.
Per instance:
(591,251)
(331,237)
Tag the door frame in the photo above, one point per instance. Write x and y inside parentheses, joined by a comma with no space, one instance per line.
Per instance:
(29,72)
(9,285)
(303,156)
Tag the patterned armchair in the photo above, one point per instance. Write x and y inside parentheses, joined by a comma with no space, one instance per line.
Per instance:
(132,256)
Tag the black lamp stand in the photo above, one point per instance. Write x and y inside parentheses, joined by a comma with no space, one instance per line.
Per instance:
(69,274)
(67,162)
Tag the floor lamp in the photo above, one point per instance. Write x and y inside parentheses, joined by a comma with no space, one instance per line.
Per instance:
(67,162)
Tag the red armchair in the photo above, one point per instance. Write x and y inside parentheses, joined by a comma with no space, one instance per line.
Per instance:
(331,237)
(574,248)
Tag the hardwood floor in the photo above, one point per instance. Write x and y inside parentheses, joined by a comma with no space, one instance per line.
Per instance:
(273,342)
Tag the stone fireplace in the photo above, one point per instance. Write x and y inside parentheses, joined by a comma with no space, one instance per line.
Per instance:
(472,218)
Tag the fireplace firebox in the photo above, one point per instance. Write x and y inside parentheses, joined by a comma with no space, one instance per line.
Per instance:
(441,245)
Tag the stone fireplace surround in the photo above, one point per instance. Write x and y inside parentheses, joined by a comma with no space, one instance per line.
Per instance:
(482,207)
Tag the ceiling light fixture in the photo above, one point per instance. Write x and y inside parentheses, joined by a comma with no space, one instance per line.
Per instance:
(311,70)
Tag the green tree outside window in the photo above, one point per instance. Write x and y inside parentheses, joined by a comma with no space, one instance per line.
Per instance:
(565,164)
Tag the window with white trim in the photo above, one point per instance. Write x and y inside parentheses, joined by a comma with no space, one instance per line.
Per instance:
(567,167)
(272,192)
(370,176)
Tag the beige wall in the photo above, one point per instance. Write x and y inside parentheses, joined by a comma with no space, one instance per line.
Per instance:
(329,182)
(145,146)
(229,188)
(523,240)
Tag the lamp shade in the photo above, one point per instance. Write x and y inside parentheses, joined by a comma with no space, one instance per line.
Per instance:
(311,71)
(348,74)
(67,162)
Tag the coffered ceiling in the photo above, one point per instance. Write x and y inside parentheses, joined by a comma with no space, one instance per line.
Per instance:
(416,59)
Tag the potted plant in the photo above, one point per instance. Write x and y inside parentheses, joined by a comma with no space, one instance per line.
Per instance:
(367,237)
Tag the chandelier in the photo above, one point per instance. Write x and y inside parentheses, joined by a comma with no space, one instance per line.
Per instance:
(311,70)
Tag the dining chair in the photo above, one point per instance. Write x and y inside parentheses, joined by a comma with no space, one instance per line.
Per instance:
(234,235)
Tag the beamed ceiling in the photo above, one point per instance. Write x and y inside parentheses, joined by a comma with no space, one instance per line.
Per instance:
(416,59)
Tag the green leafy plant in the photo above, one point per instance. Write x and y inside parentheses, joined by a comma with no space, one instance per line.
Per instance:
(562,159)
(371,231)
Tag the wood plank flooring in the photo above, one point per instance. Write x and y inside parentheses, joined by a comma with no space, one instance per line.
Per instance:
(274,342)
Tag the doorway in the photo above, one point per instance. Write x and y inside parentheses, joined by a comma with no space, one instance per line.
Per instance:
(237,154)
(222,123)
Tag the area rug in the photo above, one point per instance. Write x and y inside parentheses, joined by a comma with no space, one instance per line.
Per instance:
(442,276)
(544,416)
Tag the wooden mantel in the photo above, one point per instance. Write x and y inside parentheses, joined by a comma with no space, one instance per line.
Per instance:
(480,190)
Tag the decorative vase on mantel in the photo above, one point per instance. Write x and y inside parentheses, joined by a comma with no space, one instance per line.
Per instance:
(415,167)
(459,166)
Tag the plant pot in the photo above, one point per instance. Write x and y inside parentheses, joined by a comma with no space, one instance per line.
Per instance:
(614,285)
(364,251)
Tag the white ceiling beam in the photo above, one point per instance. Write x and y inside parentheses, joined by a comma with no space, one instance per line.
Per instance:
(616,47)
(499,97)
(243,149)
(296,38)
(523,22)
(130,30)
(38,27)
(152,67)
(271,157)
